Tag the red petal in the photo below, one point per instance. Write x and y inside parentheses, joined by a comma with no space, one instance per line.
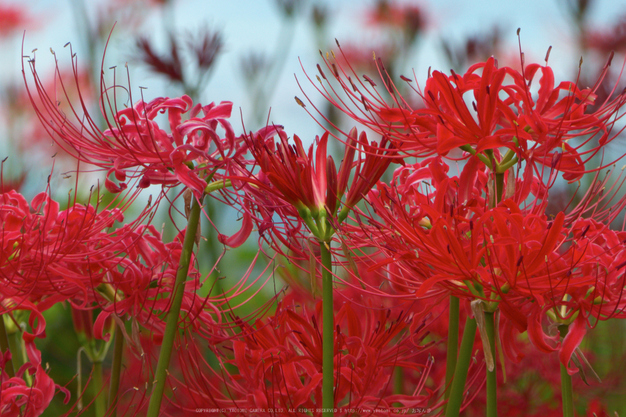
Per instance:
(575,334)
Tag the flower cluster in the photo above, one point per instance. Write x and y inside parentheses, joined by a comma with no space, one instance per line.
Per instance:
(361,258)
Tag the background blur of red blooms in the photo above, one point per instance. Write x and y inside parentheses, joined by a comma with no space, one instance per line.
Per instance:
(247,52)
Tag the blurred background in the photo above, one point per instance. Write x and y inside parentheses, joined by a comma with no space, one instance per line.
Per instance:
(252,53)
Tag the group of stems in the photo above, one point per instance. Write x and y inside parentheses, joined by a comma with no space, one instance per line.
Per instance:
(458,367)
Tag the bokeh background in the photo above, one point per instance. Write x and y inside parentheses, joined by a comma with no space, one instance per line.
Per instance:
(253,53)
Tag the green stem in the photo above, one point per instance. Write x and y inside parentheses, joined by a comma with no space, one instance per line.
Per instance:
(116,370)
(98,393)
(171,327)
(217,185)
(509,155)
(462,366)
(398,383)
(4,345)
(504,166)
(483,158)
(499,187)
(492,383)
(567,392)
(453,342)
(18,353)
(328,335)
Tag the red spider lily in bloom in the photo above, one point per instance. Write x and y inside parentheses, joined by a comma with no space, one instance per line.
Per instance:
(279,364)
(140,282)
(409,18)
(551,127)
(49,255)
(570,268)
(310,181)
(189,152)
(608,39)
(30,391)
(18,397)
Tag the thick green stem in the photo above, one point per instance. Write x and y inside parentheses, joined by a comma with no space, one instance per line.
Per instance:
(98,393)
(462,366)
(4,345)
(567,392)
(171,326)
(453,342)
(116,370)
(499,187)
(504,166)
(398,383)
(18,353)
(328,335)
(492,383)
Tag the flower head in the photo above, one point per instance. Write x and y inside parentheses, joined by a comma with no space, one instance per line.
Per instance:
(311,182)
(189,151)
(505,123)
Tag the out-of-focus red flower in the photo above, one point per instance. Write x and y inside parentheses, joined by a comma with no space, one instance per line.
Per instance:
(607,40)
(13,19)
(406,17)
(475,48)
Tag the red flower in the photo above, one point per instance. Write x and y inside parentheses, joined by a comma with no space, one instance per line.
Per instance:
(310,181)
(188,152)
(13,19)
(279,363)
(17,396)
(49,255)
(551,128)
(447,240)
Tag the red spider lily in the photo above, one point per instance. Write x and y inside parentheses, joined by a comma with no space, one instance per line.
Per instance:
(511,256)
(299,177)
(19,397)
(277,221)
(190,152)
(310,182)
(608,39)
(551,128)
(50,255)
(280,363)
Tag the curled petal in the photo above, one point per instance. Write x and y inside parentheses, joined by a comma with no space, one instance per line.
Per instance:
(113,187)
(536,334)
(240,237)
(575,334)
